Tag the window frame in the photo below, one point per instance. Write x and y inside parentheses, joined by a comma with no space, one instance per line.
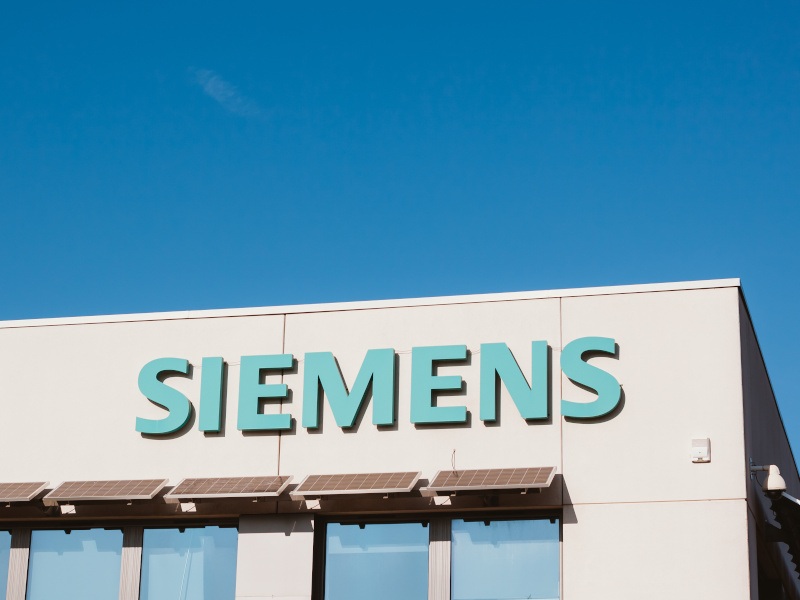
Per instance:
(132,546)
(133,542)
(321,523)
(182,528)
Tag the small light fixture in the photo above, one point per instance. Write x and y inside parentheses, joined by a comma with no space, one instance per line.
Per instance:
(67,509)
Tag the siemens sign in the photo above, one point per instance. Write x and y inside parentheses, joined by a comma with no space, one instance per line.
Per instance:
(321,374)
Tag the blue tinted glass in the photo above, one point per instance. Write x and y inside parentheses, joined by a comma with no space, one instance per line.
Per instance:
(5,551)
(386,561)
(82,565)
(505,560)
(198,564)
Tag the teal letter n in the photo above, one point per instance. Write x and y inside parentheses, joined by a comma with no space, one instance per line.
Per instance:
(498,362)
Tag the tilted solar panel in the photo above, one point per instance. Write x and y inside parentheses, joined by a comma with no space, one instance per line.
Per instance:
(359,483)
(229,487)
(492,479)
(123,489)
(21,492)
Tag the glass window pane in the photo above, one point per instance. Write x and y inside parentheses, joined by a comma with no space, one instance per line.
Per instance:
(505,560)
(386,561)
(81,565)
(5,551)
(196,564)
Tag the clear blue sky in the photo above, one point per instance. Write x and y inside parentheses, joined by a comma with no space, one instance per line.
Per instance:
(198,155)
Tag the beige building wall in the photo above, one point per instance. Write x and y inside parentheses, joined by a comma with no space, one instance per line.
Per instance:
(70,400)
(656,550)
(275,557)
(640,518)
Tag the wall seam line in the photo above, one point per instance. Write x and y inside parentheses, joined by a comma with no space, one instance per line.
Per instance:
(280,433)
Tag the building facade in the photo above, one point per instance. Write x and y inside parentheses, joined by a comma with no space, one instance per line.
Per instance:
(571,444)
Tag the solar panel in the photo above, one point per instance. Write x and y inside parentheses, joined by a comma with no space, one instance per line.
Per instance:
(123,489)
(492,479)
(20,492)
(362,483)
(229,487)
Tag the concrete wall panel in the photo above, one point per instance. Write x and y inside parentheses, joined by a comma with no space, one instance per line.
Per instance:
(657,550)
(70,399)
(275,558)
(679,368)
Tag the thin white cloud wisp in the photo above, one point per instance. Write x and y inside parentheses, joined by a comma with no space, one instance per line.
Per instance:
(225,93)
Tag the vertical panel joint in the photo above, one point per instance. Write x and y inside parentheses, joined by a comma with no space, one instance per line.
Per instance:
(439,560)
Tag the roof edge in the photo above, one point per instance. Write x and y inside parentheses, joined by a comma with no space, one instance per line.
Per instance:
(374,304)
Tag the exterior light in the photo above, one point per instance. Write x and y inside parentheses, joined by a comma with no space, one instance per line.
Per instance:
(774,482)
(66,509)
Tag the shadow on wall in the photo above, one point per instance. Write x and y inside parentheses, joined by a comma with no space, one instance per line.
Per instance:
(272,524)
(620,405)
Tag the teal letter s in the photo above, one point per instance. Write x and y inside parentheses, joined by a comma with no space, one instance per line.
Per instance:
(607,387)
(158,392)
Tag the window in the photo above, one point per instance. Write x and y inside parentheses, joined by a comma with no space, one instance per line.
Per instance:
(505,560)
(76,565)
(377,560)
(195,563)
(5,552)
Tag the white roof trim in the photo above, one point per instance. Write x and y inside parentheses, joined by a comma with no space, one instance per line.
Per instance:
(374,304)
